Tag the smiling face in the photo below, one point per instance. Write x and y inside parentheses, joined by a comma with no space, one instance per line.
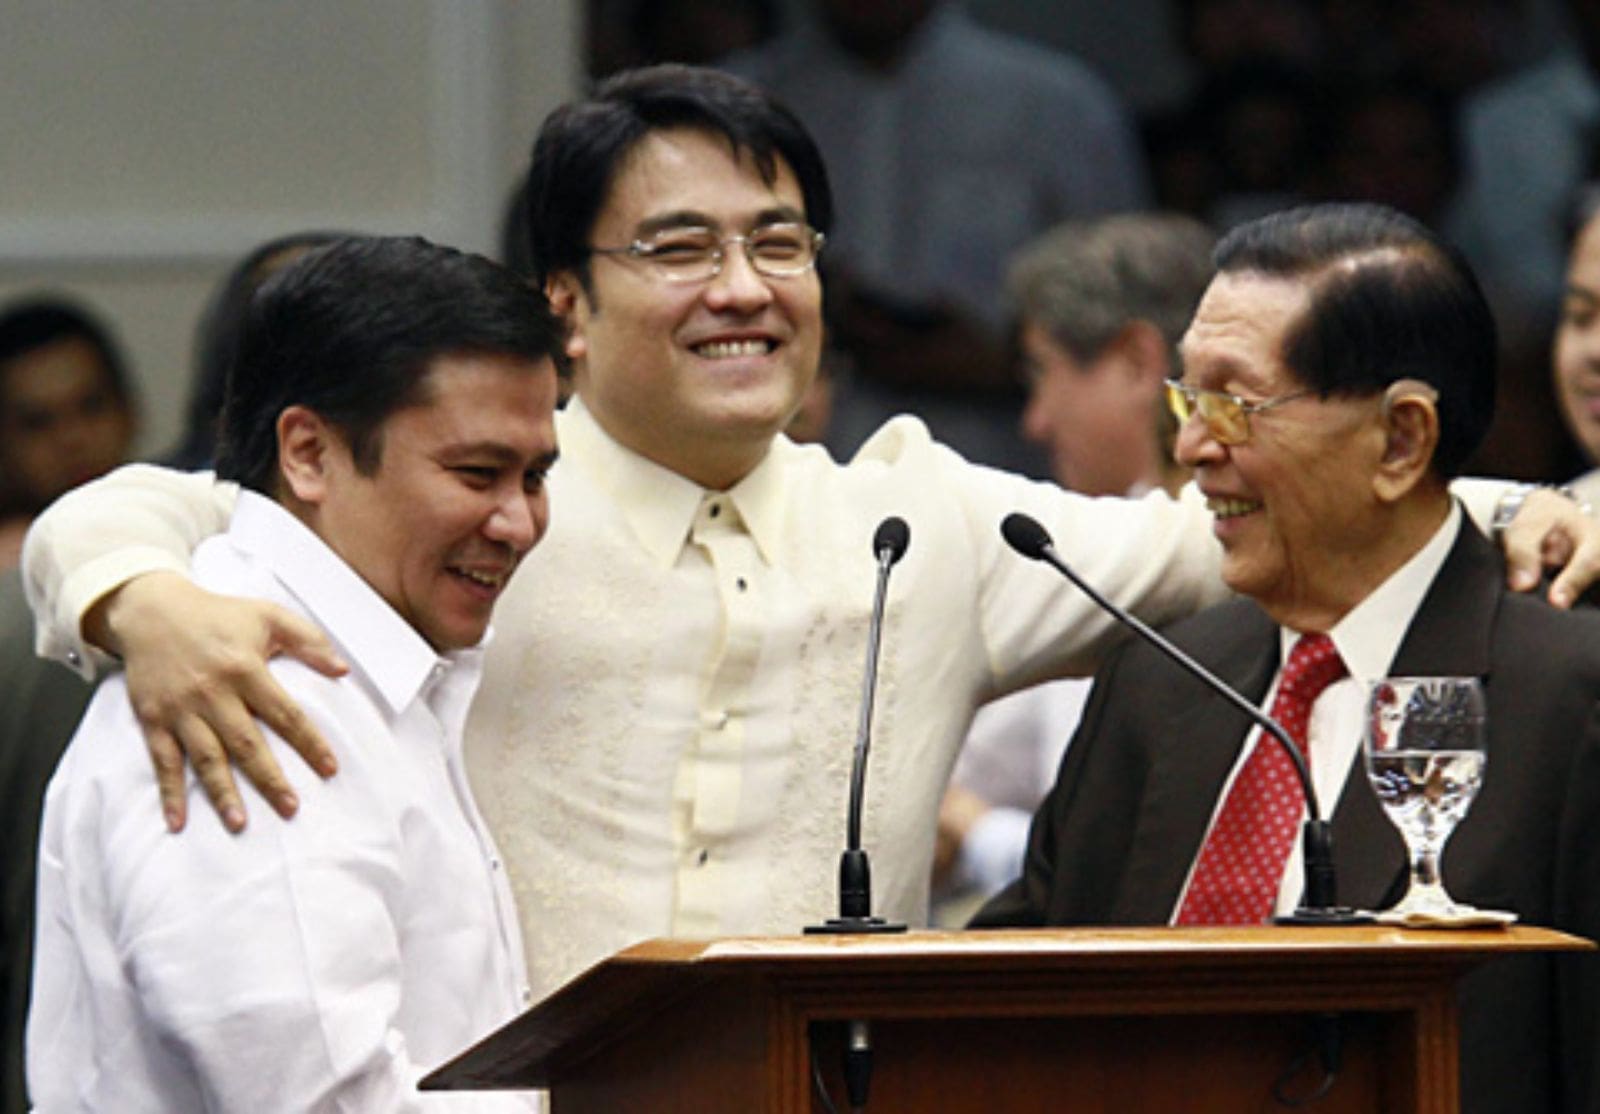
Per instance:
(698,376)
(1577,348)
(457,497)
(1301,524)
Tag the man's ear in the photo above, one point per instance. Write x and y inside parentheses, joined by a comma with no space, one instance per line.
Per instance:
(1411,436)
(304,442)
(569,302)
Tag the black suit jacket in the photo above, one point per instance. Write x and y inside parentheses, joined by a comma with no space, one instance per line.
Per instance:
(1115,838)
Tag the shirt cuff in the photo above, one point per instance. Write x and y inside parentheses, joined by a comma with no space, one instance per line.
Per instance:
(59,634)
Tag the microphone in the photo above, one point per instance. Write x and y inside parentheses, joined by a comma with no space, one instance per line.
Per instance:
(1319,902)
(889,544)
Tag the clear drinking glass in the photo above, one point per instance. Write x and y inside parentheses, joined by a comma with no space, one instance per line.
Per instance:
(1424,749)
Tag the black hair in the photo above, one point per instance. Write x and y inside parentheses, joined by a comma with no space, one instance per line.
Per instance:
(1389,300)
(29,325)
(351,331)
(582,145)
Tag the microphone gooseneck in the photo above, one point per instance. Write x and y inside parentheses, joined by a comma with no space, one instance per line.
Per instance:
(889,543)
(1319,904)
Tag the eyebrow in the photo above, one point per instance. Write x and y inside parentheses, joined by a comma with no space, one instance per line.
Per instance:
(496,451)
(692,218)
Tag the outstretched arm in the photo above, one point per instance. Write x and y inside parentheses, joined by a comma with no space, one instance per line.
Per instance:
(104,572)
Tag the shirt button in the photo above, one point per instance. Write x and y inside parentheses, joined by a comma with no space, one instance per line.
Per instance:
(716,509)
(700,859)
(494,862)
(741,583)
(74,658)
(717,720)
(527,996)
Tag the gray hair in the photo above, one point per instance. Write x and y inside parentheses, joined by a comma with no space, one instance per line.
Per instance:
(1085,280)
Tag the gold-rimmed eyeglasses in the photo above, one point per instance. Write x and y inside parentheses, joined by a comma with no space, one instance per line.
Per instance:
(696,254)
(1227,416)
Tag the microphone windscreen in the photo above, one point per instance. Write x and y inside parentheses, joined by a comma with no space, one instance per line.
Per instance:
(893,535)
(1025,535)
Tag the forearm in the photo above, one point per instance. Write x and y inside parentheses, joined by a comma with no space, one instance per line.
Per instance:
(94,539)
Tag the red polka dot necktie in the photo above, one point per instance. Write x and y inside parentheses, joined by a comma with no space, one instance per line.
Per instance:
(1241,864)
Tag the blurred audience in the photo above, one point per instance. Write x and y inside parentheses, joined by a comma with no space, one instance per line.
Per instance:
(1101,306)
(628,33)
(1577,342)
(948,146)
(67,411)
(1392,141)
(1529,141)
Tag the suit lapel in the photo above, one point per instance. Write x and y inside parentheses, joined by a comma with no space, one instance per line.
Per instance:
(1193,748)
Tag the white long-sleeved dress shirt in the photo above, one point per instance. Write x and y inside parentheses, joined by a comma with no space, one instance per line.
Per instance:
(320,964)
(663,738)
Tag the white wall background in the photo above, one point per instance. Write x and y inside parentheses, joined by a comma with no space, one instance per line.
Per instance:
(145,146)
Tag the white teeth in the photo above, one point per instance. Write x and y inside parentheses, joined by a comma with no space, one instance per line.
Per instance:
(730,349)
(488,580)
(1229,508)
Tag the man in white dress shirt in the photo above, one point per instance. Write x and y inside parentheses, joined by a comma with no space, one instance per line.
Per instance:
(389,422)
(662,745)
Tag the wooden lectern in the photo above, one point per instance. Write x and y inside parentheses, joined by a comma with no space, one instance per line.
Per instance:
(1092,1021)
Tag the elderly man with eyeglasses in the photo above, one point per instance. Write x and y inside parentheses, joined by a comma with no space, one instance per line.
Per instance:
(663,738)
(1337,373)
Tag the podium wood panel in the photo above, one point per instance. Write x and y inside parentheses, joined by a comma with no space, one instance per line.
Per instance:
(1091,1020)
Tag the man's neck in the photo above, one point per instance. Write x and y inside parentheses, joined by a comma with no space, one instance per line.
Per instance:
(715,465)
(1397,537)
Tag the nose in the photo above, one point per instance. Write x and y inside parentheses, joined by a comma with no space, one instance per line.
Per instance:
(738,285)
(1195,445)
(518,520)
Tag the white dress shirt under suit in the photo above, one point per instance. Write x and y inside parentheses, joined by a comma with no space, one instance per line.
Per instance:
(1368,637)
(319,964)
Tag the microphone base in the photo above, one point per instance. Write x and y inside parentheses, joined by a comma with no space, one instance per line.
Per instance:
(1324,915)
(843,926)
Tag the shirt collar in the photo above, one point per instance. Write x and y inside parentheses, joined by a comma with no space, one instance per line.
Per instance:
(368,633)
(658,504)
(1369,635)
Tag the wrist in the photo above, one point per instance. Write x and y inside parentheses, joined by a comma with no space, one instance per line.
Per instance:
(107,620)
(1511,502)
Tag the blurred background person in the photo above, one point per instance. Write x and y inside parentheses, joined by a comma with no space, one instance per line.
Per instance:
(1392,141)
(1529,141)
(42,703)
(628,33)
(67,412)
(948,146)
(218,334)
(1577,342)
(1101,305)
